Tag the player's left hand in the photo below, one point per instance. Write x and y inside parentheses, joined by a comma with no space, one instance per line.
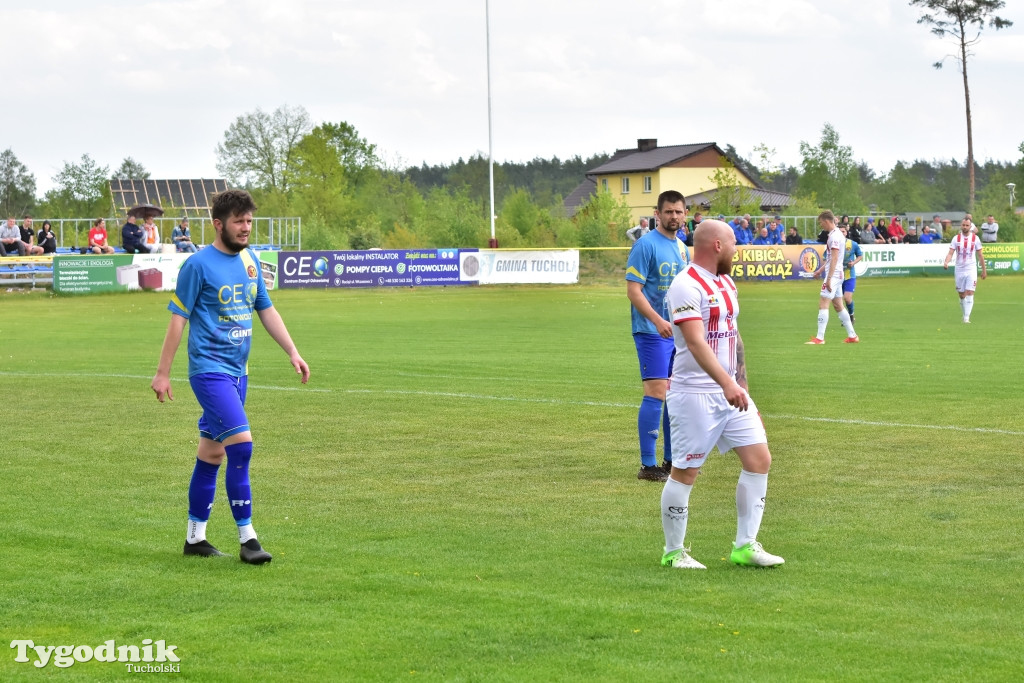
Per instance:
(984,275)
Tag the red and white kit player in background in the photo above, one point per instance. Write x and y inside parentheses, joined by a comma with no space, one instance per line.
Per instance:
(832,285)
(967,248)
(707,400)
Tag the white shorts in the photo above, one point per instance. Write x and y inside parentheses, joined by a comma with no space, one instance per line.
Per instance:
(966,282)
(835,290)
(699,422)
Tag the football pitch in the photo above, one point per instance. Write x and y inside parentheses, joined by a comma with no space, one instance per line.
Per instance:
(454,495)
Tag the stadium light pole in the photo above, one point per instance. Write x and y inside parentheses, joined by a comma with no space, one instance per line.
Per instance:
(1011,187)
(493,242)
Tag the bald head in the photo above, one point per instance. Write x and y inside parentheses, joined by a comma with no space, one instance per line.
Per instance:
(714,245)
(710,230)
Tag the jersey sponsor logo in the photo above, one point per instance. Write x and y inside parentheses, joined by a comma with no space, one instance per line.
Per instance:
(684,309)
(237,335)
(725,334)
(712,300)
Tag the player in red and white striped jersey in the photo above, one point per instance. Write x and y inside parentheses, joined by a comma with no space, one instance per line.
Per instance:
(967,248)
(707,401)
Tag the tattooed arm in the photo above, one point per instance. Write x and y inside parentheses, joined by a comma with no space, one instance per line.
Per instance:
(741,363)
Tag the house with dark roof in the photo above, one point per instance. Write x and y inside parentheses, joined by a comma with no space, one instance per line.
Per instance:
(638,175)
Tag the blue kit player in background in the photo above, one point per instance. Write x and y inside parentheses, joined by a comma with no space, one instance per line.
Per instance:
(653,263)
(853,256)
(218,291)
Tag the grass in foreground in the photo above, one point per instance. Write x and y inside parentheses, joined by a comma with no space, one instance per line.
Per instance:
(454,495)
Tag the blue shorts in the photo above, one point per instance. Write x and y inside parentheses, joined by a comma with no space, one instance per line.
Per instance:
(222,398)
(850,285)
(655,354)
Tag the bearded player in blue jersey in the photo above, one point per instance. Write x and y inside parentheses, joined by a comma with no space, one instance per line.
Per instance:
(653,263)
(218,290)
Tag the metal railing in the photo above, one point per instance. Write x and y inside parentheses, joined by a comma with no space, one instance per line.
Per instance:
(283,232)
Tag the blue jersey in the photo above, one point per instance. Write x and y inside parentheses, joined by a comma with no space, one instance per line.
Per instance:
(217,293)
(853,250)
(654,262)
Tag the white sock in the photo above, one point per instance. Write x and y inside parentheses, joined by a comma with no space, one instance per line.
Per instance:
(822,322)
(246,533)
(844,318)
(963,306)
(196,532)
(751,490)
(675,510)
(968,305)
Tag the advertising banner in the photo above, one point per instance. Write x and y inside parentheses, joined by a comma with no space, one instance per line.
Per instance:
(126,272)
(116,272)
(1003,259)
(373,268)
(527,267)
(782,262)
(789,262)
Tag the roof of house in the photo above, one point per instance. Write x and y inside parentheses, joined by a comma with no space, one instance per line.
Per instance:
(580,196)
(630,160)
(766,199)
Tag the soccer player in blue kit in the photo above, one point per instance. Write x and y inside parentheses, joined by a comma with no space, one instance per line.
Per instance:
(654,261)
(218,290)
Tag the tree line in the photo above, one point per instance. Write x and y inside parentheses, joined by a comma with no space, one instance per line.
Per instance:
(349,198)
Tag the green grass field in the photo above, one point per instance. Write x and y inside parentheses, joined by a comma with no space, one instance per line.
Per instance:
(454,495)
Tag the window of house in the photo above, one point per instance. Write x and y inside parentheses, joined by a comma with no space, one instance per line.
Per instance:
(625,186)
(604,183)
(647,183)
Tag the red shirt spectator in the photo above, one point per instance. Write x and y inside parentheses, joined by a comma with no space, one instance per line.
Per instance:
(98,238)
(896,232)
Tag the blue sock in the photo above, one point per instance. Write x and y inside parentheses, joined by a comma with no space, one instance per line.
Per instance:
(202,490)
(849,308)
(647,425)
(236,481)
(666,435)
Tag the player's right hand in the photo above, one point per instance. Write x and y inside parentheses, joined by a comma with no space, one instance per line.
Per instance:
(162,386)
(736,395)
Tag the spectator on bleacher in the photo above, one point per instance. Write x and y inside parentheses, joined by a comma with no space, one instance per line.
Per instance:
(912,237)
(29,238)
(10,239)
(775,231)
(896,232)
(855,229)
(867,233)
(182,238)
(762,239)
(990,230)
(151,235)
(794,237)
(876,232)
(132,236)
(98,238)
(744,235)
(46,239)
(936,226)
(929,237)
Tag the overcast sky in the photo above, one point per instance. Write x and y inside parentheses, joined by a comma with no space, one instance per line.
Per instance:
(161,81)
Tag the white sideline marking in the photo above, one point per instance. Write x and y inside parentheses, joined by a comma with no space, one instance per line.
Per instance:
(517,399)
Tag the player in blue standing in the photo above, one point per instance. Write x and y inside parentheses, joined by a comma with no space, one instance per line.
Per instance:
(218,291)
(654,261)
(854,254)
